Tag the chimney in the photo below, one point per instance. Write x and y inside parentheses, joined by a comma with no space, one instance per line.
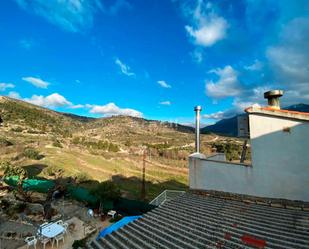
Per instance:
(273,98)
(197,110)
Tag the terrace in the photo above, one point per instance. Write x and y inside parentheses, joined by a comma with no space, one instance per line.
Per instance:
(70,222)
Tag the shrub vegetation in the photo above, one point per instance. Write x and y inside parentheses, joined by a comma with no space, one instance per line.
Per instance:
(106,191)
(4,142)
(32,153)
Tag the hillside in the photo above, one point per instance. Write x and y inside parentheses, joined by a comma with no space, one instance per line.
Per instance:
(228,126)
(99,149)
(298,107)
(46,142)
(19,113)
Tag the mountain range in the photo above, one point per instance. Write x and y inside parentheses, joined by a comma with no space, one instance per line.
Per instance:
(229,126)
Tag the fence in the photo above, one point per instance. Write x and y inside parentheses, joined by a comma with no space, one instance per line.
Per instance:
(165,196)
(123,205)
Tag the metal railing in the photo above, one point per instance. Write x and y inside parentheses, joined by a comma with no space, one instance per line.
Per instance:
(165,196)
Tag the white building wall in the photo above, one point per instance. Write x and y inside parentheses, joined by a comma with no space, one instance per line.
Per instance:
(280,163)
(205,174)
(217,157)
(280,152)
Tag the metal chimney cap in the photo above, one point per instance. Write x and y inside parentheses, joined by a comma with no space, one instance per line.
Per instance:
(273,94)
(198,108)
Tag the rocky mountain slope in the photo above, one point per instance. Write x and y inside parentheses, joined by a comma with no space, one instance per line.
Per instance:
(17,113)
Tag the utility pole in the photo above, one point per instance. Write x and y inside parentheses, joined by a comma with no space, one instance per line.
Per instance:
(143,190)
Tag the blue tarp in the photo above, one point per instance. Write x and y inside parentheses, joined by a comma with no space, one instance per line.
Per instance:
(124,221)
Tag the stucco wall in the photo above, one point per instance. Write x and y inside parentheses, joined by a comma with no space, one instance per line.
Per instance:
(280,152)
(280,163)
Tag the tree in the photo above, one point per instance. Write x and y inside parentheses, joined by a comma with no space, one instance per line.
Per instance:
(106,191)
(11,170)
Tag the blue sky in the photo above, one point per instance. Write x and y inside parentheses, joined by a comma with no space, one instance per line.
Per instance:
(155,59)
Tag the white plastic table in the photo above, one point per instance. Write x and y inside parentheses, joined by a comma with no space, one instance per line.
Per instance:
(52,230)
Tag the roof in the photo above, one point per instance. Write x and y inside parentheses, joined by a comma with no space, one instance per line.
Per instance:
(197,221)
(278,112)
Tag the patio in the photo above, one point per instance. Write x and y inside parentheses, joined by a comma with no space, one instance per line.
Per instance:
(79,225)
(76,231)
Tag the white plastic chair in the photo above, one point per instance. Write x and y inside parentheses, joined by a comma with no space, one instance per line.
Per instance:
(58,238)
(44,241)
(59,222)
(65,226)
(31,241)
(44,224)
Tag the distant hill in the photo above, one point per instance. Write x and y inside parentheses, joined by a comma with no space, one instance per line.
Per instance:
(26,116)
(78,117)
(223,127)
(229,126)
(298,107)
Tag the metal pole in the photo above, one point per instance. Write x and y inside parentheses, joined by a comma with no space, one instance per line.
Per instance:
(197,110)
(143,190)
(244,151)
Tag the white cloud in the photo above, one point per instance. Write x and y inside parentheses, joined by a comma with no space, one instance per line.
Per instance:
(78,106)
(36,82)
(217,115)
(89,106)
(237,108)
(256,66)
(165,102)
(50,101)
(226,86)
(125,69)
(289,61)
(112,109)
(53,100)
(70,15)
(208,28)
(4,86)
(163,84)
(56,100)
(14,95)
(249,97)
